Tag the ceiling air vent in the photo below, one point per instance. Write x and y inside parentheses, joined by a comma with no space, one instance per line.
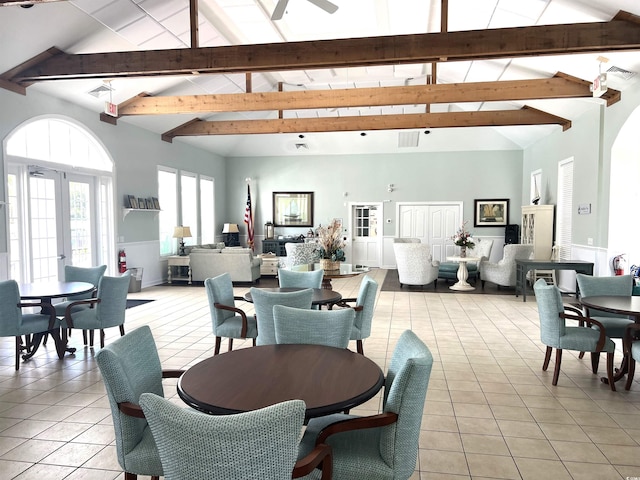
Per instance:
(408,139)
(621,72)
(302,146)
(101,91)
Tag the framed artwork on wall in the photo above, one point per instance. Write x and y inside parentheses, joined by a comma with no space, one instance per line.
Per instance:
(491,213)
(293,209)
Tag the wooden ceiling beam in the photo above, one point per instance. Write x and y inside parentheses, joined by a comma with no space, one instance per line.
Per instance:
(523,116)
(622,33)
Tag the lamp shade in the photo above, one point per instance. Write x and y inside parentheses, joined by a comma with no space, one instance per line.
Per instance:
(230,228)
(181,232)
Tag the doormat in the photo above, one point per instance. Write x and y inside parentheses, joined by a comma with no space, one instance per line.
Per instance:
(135,302)
(392,284)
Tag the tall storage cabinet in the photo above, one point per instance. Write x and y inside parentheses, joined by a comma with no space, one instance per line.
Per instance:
(537,229)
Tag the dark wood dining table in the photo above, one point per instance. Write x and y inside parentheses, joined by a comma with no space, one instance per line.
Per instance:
(321,296)
(328,379)
(45,292)
(622,305)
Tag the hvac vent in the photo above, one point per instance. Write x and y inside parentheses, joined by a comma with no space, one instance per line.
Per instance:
(621,72)
(302,146)
(408,139)
(101,91)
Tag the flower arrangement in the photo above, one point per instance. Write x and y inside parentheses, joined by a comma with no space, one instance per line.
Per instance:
(330,242)
(463,237)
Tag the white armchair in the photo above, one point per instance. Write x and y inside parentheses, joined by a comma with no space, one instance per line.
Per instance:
(503,273)
(415,264)
(300,254)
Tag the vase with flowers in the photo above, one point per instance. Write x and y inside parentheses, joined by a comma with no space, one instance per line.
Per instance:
(331,245)
(463,239)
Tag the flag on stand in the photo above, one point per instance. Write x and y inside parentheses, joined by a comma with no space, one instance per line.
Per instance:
(248,218)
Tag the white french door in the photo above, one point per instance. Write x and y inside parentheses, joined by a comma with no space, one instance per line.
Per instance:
(366,234)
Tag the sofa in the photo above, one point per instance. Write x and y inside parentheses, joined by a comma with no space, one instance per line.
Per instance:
(239,262)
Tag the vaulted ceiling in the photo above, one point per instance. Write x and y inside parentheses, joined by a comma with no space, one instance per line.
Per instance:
(365,79)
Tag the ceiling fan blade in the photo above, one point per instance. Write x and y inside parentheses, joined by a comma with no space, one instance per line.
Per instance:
(278,12)
(326,5)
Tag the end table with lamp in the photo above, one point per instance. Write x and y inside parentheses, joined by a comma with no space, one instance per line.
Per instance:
(231,234)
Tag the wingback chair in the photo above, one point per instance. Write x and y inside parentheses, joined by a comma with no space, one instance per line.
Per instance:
(482,250)
(364,306)
(382,446)
(503,272)
(415,264)
(226,319)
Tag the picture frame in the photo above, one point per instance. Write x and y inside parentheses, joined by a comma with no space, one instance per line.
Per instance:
(156,203)
(491,212)
(142,203)
(293,209)
(133,201)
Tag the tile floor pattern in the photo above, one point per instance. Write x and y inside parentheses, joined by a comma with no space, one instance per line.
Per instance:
(491,413)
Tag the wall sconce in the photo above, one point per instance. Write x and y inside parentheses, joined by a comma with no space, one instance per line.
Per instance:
(390,188)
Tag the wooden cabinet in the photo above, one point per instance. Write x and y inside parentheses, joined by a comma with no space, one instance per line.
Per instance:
(276,245)
(537,229)
(269,264)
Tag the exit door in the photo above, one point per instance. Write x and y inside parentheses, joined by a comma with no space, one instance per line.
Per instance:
(366,234)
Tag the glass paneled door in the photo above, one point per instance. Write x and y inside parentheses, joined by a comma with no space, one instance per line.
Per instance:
(366,239)
(61,229)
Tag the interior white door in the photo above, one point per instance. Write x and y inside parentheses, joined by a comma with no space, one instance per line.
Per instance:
(432,223)
(366,238)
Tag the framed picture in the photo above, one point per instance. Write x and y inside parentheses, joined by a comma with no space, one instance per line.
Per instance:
(293,209)
(133,201)
(142,203)
(491,213)
(156,203)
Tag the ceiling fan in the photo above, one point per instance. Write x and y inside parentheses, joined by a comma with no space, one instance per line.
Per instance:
(281,6)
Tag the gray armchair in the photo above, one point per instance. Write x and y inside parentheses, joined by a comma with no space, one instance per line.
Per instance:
(503,272)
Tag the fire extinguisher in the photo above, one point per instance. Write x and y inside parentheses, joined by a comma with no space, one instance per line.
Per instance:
(619,264)
(122,261)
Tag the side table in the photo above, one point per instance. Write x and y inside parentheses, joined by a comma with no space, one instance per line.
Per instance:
(269,264)
(463,273)
(178,261)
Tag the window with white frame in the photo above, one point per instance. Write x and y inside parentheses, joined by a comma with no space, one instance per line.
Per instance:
(207,210)
(564,209)
(189,205)
(168,218)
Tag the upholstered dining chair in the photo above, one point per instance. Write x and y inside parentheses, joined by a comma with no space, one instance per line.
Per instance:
(264,301)
(554,333)
(256,445)
(364,307)
(14,323)
(503,272)
(80,274)
(382,446)
(293,278)
(108,309)
(621,285)
(415,264)
(130,366)
(226,319)
(315,327)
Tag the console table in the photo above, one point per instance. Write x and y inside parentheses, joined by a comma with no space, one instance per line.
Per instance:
(276,245)
(523,266)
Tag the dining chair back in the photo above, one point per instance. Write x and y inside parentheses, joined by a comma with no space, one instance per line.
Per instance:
(383,446)
(130,366)
(260,444)
(14,323)
(316,327)
(264,301)
(293,278)
(618,286)
(227,320)
(90,275)
(554,332)
(108,308)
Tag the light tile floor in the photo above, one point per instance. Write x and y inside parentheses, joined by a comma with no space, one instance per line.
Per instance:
(491,413)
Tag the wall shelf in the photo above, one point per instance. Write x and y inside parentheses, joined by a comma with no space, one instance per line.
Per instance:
(127,211)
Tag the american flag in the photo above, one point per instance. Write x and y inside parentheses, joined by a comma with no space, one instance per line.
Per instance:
(248,218)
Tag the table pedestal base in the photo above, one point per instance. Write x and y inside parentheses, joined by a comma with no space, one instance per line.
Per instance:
(462,284)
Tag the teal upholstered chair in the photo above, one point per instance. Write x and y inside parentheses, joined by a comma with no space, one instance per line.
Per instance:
(621,285)
(364,306)
(554,333)
(14,323)
(108,308)
(382,446)
(226,319)
(316,327)
(263,302)
(257,445)
(292,278)
(80,274)
(130,366)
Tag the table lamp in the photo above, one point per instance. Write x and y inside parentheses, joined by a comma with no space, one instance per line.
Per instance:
(181,233)
(231,234)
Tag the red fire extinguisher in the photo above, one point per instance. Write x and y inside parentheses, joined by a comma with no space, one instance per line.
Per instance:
(619,264)
(122,261)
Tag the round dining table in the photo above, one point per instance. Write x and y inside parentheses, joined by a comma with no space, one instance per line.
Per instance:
(321,296)
(328,379)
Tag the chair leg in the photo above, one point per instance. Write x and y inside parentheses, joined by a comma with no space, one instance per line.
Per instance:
(581,355)
(595,361)
(122,330)
(131,476)
(91,338)
(230,344)
(556,371)
(254,342)
(19,348)
(482,282)
(216,349)
(360,347)
(612,382)
(84,337)
(547,358)
(631,370)
(101,338)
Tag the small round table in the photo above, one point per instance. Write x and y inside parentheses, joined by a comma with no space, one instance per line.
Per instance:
(463,273)
(328,379)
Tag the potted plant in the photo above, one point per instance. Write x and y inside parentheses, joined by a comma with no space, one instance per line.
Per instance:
(331,245)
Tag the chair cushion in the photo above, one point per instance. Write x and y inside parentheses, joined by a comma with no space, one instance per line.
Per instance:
(614,327)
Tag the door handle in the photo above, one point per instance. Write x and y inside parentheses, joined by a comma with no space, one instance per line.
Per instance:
(62,256)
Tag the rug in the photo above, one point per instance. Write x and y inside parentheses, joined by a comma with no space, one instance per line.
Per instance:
(135,302)
(392,284)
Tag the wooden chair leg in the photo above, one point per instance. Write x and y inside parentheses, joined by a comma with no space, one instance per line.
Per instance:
(101,338)
(131,476)
(230,344)
(359,347)
(556,371)
(254,342)
(19,348)
(595,361)
(122,330)
(631,370)
(91,338)
(581,355)
(84,337)
(612,382)
(216,349)
(547,358)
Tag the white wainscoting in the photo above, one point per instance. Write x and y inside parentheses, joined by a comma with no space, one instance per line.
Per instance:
(145,255)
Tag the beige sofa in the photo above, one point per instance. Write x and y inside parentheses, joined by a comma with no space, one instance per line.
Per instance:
(239,262)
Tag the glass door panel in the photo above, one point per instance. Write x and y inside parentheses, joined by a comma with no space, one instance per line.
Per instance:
(46,244)
(81,224)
